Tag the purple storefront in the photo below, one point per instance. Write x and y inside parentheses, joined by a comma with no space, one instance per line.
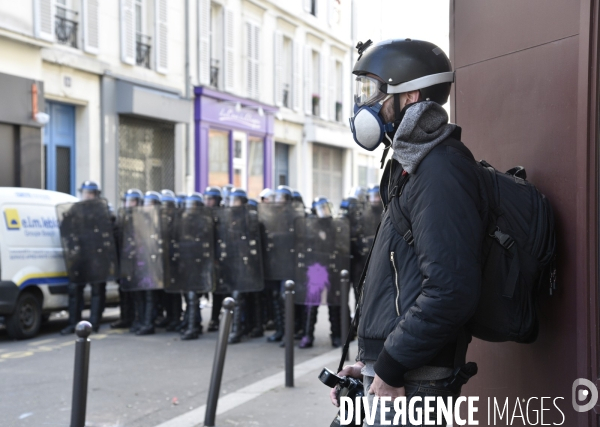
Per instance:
(233,141)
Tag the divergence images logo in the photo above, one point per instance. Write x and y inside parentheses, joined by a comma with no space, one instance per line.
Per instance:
(13,221)
(582,389)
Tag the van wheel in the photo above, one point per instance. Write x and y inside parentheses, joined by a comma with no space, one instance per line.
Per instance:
(26,320)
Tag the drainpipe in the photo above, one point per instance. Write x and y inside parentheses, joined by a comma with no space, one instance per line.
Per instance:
(187,154)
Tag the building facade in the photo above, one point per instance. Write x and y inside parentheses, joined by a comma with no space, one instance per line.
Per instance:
(181,94)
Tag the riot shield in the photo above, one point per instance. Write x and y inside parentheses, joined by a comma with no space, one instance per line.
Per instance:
(192,266)
(88,241)
(322,252)
(363,224)
(238,250)
(169,223)
(278,235)
(144,249)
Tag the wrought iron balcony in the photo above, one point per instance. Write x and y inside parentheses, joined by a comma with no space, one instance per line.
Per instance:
(142,50)
(65,26)
(214,73)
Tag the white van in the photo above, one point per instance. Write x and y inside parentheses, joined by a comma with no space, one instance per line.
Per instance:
(33,278)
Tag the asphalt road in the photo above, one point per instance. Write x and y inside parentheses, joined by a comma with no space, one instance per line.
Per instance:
(142,381)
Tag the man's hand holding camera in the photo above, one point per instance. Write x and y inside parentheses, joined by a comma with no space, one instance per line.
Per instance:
(352,371)
(380,388)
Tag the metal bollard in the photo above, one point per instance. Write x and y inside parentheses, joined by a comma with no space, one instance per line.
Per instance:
(80,376)
(345,310)
(219,362)
(289,333)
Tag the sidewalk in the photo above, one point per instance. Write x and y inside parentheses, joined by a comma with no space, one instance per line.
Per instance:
(270,404)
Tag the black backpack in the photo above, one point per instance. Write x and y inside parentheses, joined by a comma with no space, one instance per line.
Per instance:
(518,253)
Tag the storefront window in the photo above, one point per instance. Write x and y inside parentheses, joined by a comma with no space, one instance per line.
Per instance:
(255,166)
(218,158)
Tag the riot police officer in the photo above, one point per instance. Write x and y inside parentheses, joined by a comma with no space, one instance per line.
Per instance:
(213,199)
(130,303)
(248,305)
(151,198)
(373,195)
(193,315)
(89,190)
(267,195)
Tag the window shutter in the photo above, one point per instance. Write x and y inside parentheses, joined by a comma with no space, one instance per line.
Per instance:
(161,36)
(204,55)
(323,78)
(128,32)
(333,82)
(256,60)
(91,26)
(248,59)
(308,80)
(278,71)
(229,57)
(296,76)
(44,11)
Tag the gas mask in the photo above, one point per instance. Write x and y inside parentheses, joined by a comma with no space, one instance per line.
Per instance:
(367,127)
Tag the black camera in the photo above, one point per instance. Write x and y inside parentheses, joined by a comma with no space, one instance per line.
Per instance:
(346,387)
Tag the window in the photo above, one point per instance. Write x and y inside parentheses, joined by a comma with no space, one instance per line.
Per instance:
(287,72)
(339,91)
(66,24)
(282,161)
(142,39)
(239,161)
(316,83)
(310,6)
(218,158)
(256,178)
(328,173)
(216,45)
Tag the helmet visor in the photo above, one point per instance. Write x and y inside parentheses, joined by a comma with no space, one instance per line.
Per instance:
(367,91)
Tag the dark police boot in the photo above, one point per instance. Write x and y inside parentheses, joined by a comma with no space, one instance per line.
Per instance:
(193,330)
(237,328)
(311,320)
(278,315)
(97,305)
(126,314)
(335,320)
(256,306)
(174,311)
(75,307)
(138,311)
(147,327)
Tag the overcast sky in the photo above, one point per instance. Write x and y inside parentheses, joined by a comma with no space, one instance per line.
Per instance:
(391,19)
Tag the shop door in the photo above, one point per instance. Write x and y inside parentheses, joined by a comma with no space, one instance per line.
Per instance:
(327,173)
(59,148)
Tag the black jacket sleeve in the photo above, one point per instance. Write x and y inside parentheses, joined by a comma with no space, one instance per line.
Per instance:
(443,207)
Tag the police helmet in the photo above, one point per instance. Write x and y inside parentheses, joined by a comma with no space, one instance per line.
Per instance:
(194,200)
(168,198)
(213,196)
(238,197)
(252,204)
(373,194)
(359,193)
(267,195)
(89,190)
(151,198)
(283,194)
(321,207)
(133,197)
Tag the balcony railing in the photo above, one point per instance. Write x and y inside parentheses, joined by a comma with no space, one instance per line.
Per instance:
(214,73)
(65,26)
(286,95)
(142,50)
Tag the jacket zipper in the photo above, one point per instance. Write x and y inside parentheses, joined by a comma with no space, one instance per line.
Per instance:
(396,282)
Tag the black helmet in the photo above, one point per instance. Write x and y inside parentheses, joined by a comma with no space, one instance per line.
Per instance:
(404,65)
(89,190)
(321,207)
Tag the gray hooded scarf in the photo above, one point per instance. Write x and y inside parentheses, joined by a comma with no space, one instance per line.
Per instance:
(424,125)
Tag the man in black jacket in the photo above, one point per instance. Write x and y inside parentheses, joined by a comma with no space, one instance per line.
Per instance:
(424,275)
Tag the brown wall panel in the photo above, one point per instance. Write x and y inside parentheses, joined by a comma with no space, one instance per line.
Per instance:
(487,29)
(522,109)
